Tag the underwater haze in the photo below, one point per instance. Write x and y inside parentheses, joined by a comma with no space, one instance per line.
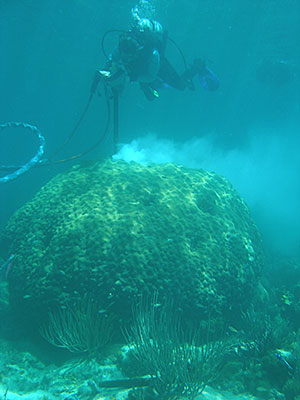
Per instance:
(79,260)
(247,130)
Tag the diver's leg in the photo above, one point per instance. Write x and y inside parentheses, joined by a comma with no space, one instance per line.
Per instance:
(149,92)
(169,76)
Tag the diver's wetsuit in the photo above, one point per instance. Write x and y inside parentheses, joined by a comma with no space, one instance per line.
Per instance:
(140,55)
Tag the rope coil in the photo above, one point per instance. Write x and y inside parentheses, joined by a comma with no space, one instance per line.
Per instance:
(34,160)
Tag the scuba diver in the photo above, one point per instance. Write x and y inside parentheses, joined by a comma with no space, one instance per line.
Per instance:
(140,57)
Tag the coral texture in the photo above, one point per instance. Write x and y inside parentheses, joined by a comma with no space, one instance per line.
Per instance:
(117,231)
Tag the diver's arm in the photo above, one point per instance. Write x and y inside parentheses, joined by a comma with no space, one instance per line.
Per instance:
(97,78)
(111,80)
(111,74)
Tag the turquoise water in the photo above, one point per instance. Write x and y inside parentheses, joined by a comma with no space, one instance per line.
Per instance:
(247,130)
(50,50)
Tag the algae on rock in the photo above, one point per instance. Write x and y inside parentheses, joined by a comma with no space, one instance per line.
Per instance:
(116,230)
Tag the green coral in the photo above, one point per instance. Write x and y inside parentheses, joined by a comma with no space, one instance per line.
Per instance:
(116,230)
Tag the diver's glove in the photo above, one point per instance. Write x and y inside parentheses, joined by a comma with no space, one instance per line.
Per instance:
(99,76)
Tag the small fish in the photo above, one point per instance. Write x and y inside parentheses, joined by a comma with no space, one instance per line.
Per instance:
(281,356)
(157,305)
(6,267)
(102,311)
(233,329)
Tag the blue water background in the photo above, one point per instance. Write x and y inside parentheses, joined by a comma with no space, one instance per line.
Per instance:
(49,50)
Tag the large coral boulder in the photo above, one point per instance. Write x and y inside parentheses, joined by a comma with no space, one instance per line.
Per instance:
(116,231)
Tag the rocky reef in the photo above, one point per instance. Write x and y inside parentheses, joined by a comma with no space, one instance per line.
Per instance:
(117,231)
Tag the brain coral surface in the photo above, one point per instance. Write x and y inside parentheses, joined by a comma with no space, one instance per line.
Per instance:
(116,231)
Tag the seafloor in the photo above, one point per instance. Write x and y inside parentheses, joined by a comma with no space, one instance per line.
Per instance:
(24,376)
